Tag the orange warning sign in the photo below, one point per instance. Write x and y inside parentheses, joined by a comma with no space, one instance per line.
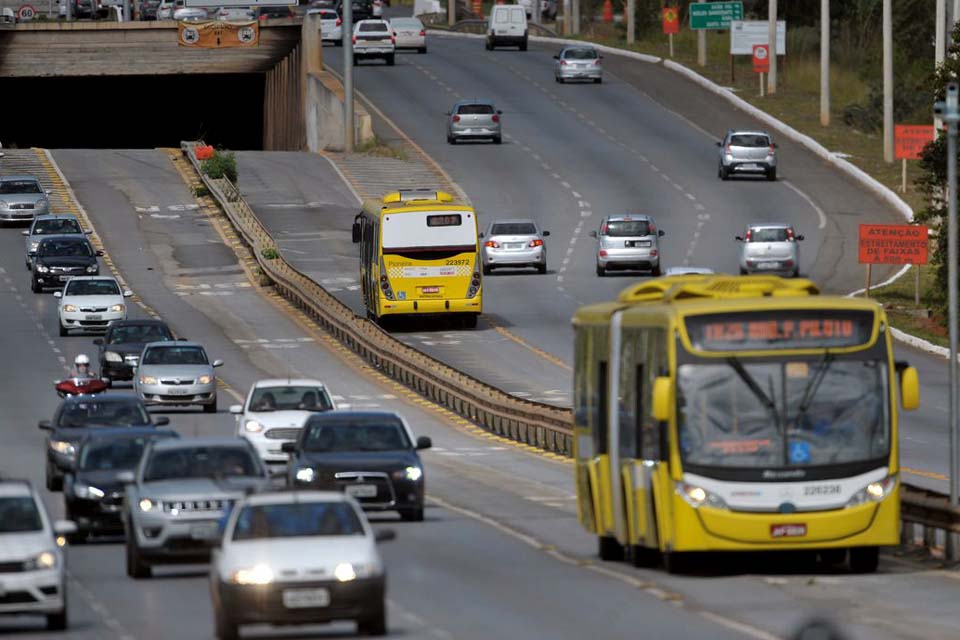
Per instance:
(910,139)
(893,244)
(671,19)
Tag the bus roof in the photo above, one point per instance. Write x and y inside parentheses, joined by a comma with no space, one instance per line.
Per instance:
(410,200)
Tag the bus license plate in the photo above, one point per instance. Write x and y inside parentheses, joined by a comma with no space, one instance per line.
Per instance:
(795,530)
(429,289)
(305,598)
(362,490)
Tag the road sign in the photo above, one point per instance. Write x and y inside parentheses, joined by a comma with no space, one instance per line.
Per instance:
(218,35)
(746,33)
(910,139)
(670,17)
(893,244)
(714,15)
(26,12)
(761,58)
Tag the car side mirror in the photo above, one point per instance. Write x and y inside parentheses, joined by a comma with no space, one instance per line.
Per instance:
(499,112)
(662,392)
(44,425)
(88,232)
(384,535)
(355,233)
(217,363)
(64,527)
(593,234)
(719,144)
(99,253)
(47,191)
(161,421)
(556,57)
(25,232)
(661,233)
(800,238)
(482,234)
(447,113)
(236,409)
(58,294)
(909,389)
(738,238)
(545,234)
(126,477)
(288,447)
(423,442)
(128,294)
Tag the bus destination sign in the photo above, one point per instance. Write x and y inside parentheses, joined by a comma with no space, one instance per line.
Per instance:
(765,330)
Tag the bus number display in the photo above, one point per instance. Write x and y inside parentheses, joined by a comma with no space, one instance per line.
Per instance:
(780,330)
(445,220)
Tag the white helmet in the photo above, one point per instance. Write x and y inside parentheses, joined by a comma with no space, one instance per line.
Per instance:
(82,359)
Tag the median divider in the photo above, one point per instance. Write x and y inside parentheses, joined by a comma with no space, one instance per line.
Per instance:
(531,423)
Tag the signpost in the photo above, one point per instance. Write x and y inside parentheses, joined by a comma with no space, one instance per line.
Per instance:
(761,62)
(670,17)
(746,33)
(25,13)
(908,142)
(218,35)
(892,244)
(714,15)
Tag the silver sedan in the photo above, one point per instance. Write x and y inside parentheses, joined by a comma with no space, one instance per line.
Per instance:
(176,373)
(513,244)
(22,198)
(474,119)
(578,63)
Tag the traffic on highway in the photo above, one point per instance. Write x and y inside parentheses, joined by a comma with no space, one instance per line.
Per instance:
(190,452)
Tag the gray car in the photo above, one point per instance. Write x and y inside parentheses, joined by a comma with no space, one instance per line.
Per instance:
(22,198)
(182,488)
(578,63)
(747,152)
(628,242)
(770,248)
(59,224)
(176,373)
(513,244)
(472,120)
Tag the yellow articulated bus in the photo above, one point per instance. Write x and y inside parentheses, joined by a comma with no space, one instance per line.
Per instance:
(737,413)
(419,256)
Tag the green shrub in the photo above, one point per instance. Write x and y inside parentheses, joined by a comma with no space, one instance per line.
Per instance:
(223,164)
(270,253)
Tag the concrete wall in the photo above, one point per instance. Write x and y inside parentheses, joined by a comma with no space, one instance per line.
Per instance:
(325,118)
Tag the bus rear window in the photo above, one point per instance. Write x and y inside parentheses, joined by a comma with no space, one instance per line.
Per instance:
(446,220)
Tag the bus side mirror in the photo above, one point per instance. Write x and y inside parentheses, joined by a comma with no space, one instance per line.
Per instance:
(662,391)
(356,233)
(909,389)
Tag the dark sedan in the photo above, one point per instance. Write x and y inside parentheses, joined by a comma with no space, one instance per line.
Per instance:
(370,455)
(92,490)
(77,416)
(148,9)
(59,258)
(123,342)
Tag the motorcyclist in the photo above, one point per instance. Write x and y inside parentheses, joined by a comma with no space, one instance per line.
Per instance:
(81,367)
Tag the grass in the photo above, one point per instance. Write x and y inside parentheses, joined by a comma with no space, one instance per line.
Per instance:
(377,147)
(902,310)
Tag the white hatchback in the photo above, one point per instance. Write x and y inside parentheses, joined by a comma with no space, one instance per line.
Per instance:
(275,412)
(331,25)
(91,303)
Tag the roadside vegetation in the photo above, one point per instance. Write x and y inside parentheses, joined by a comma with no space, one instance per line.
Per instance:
(222,164)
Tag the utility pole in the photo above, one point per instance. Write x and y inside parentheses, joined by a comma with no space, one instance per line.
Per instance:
(824,62)
(888,81)
(939,53)
(348,125)
(575,23)
(772,41)
(631,21)
(702,47)
(451,12)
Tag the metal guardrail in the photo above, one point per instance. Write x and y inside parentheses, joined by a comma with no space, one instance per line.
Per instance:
(536,424)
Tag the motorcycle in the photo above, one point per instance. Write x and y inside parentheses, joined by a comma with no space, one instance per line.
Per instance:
(79,386)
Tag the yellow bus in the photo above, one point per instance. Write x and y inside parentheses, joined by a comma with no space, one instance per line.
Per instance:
(737,413)
(419,256)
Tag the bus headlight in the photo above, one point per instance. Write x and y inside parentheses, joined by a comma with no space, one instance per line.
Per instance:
(698,497)
(874,492)
(474,285)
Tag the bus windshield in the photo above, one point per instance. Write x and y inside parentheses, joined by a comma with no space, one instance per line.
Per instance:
(803,412)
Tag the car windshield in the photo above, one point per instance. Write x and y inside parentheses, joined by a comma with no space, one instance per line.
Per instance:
(200,462)
(65,248)
(290,399)
(749,140)
(56,226)
(119,454)
(798,413)
(356,434)
(104,414)
(175,355)
(297,520)
(769,235)
(92,288)
(9,187)
(475,109)
(139,334)
(513,229)
(373,26)
(625,228)
(580,54)
(19,514)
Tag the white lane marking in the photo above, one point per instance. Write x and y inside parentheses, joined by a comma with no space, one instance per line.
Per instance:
(565,184)
(575,194)
(799,192)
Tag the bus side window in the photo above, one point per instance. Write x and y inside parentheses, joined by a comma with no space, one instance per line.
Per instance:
(355,231)
(600,436)
(638,412)
(652,435)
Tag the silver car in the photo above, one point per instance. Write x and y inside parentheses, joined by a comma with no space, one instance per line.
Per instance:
(22,198)
(628,242)
(770,248)
(513,244)
(474,119)
(747,152)
(688,271)
(578,63)
(57,224)
(176,373)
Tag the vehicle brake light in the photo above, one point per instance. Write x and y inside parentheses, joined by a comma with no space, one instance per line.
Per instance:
(563,63)
(728,149)
(790,235)
(456,118)
(493,244)
(597,62)
(788,263)
(495,118)
(749,236)
(354,39)
(536,242)
(423,33)
(603,253)
(339,21)
(772,150)
(653,253)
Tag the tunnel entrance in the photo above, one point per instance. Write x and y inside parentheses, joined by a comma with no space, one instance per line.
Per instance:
(133,112)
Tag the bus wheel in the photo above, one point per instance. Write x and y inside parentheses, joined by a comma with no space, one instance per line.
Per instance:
(469,321)
(643,557)
(832,557)
(676,562)
(864,559)
(609,549)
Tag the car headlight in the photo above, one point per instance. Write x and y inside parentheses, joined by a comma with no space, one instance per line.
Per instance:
(698,497)
(44,560)
(93,268)
(347,571)
(112,356)
(306,474)
(260,574)
(41,269)
(70,308)
(148,380)
(205,379)
(34,245)
(410,473)
(63,448)
(873,492)
(117,308)
(87,491)
(253,426)
(146,504)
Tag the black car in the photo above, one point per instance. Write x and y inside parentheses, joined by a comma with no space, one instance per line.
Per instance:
(148,9)
(370,455)
(274,13)
(61,257)
(92,491)
(121,345)
(362,9)
(77,416)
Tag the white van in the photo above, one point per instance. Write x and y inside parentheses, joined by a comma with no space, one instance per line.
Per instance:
(507,26)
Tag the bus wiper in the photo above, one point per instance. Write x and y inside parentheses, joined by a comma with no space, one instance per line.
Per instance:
(812,387)
(751,383)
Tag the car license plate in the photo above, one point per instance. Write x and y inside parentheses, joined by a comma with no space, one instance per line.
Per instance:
(178,392)
(749,166)
(205,531)
(513,245)
(362,490)
(64,278)
(768,265)
(94,316)
(305,598)
(795,530)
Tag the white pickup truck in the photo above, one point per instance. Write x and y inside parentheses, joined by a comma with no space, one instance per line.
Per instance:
(374,39)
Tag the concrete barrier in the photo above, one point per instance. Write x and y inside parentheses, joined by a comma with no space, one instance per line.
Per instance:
(324,114)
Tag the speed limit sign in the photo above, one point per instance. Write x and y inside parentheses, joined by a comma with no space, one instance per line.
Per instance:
(761,58)
(26,12)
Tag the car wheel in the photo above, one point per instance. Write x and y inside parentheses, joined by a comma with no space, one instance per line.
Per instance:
(655,272)
(597,80)
(413,515)
(772,175)
(609,549)
(225,627)
(28,266)
(795,274)
(722,173)
(497,140)
(864,559)
(58,621)
(53,482)
(523,46)
(136,567)
(451,139)
(374,624)
(390,60)
(210,408)
(338,43)
(35,287)
(558,79)
(743,271)
(601,271)
(63,330)
(487,270)
(355,62)
(107,379)
(422,50)
(542,268)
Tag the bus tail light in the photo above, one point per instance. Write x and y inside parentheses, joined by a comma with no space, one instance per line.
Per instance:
(698,497)
(874,492)
(474,285)
(385,282)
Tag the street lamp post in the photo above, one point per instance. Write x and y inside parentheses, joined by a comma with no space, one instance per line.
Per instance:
(348,126)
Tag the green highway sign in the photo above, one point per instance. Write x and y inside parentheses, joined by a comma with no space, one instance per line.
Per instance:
(714,15)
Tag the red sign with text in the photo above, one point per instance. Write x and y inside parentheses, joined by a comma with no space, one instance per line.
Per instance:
(761,58)
(910,139)
(671,19)
(893,244)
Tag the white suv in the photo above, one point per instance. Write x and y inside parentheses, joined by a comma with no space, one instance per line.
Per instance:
(91,303)
(275,411)
(31,560)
